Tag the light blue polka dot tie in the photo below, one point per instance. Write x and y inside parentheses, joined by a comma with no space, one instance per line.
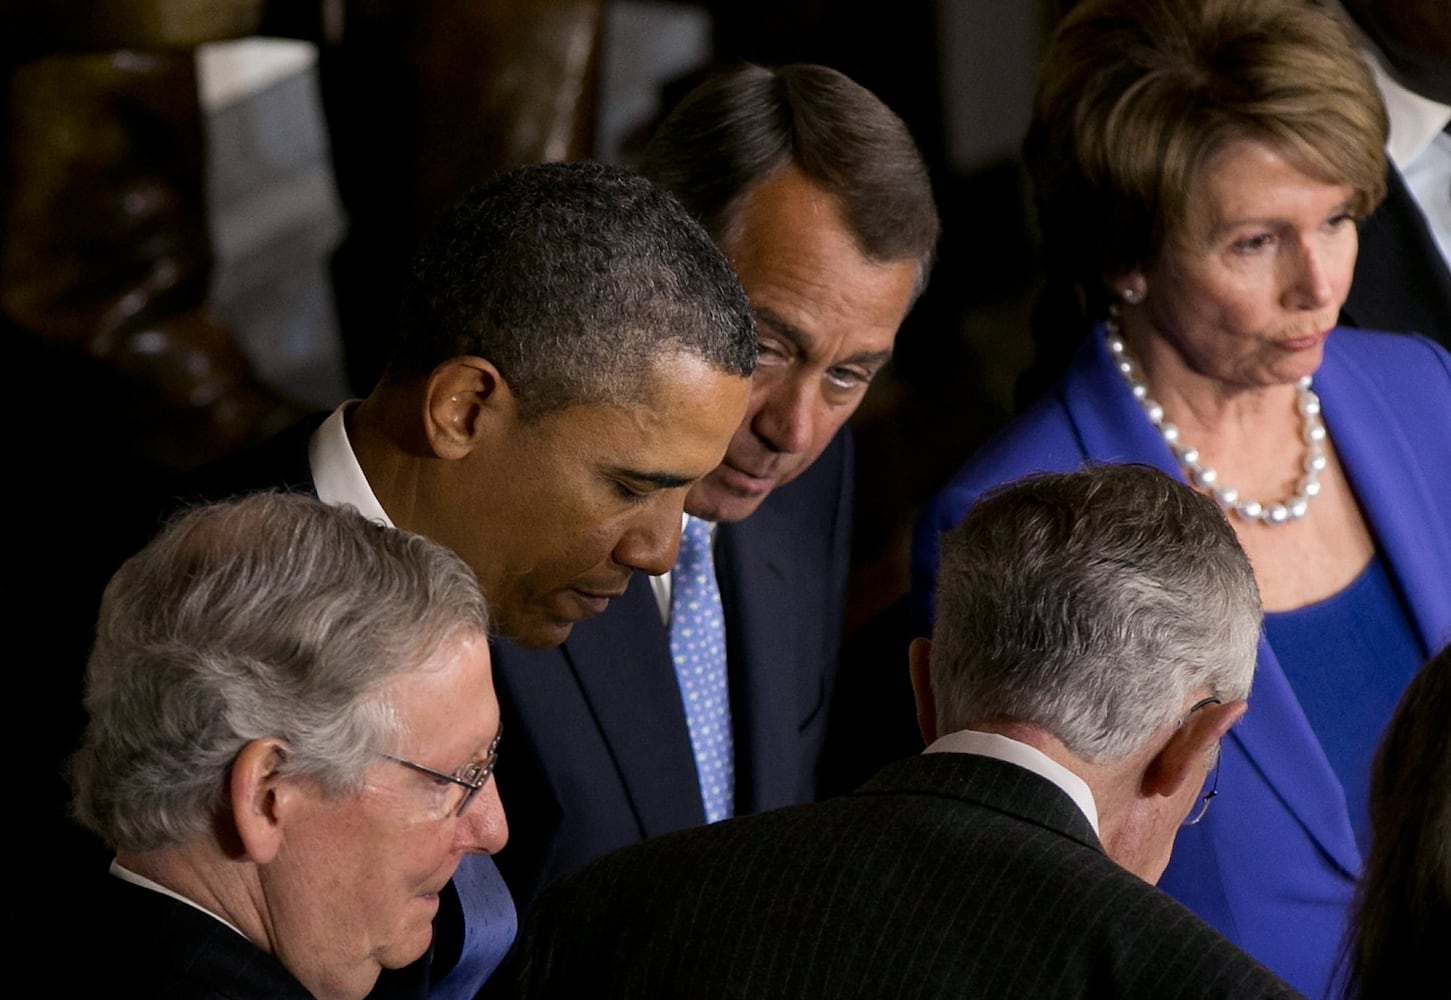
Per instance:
(697,645)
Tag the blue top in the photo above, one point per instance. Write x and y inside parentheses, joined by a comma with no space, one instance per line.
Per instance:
(1274,864)
(1348,658)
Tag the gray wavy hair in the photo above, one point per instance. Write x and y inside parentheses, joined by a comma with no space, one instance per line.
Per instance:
(1091,604)
(269,616)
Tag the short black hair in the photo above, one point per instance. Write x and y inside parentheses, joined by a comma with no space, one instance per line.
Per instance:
(572,279)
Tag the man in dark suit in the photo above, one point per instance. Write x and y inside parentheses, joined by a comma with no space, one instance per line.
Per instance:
(1403,270)
(817,194)
(574,355)
(292,726)
(1095,639)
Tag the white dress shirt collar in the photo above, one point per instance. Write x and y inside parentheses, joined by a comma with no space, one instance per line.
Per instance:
(1011,751)
(1415,119)
(336,474)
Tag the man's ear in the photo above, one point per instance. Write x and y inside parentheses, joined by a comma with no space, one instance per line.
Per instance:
(919,660)
(262,797)
(457,399)
(1182,758)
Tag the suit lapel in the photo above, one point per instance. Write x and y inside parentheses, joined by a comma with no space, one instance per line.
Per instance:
(755,563)
(621,662)
(1395,481)
(1391,485)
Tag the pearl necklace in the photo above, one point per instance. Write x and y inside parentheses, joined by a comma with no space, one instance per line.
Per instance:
(1291,508)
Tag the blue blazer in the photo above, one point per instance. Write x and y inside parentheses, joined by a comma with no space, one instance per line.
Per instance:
(1273,866)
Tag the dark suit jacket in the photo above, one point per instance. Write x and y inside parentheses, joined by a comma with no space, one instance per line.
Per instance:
(596,753)
(946,875)
(1401,281)
(140,943)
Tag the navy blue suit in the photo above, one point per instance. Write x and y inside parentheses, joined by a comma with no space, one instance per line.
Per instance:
(597,755)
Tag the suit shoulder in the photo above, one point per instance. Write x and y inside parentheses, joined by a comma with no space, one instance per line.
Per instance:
(1397,355)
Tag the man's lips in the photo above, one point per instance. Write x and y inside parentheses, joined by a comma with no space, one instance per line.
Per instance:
(595,601)
(742,481)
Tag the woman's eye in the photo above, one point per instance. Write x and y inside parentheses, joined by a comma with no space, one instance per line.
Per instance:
(1253,244)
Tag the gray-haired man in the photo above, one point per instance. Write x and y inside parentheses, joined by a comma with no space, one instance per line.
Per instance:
(292,727)
(1095,639)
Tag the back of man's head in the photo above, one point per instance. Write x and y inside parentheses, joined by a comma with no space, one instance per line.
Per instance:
(572,279)
(748,123)
(269,616)
(1091,605)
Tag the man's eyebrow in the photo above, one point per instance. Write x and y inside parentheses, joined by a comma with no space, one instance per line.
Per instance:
(660,480)
(793,333)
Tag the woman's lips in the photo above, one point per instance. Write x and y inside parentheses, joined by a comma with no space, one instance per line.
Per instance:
(1304,343)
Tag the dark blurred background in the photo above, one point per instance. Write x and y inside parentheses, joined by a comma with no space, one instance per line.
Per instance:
(204,205)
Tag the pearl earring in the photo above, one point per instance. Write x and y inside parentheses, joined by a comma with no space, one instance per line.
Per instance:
(1131,296)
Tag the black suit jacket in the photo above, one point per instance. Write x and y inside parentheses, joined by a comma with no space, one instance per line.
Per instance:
(1401,281)
(946,875)
(140,943)
(596,753)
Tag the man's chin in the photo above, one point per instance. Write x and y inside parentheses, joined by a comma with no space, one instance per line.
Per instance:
(538,633)
(414,936)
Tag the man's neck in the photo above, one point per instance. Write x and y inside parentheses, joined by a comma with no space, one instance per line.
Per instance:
(379,430)
(201,876)
(1124,827)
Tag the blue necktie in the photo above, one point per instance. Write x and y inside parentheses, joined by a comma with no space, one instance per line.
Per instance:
(490,922)
(697,645)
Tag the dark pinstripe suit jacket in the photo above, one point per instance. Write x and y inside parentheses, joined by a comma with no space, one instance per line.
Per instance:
(946,875)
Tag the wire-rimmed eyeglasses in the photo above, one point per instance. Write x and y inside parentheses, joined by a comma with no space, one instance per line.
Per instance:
(472,777)
(1211,780)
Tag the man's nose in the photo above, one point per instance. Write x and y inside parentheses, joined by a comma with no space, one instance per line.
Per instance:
(483,829)
(787,420)
(651,540)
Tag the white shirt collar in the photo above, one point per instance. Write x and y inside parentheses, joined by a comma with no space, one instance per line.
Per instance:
(1415,119)
(1032,759)
(336,474)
